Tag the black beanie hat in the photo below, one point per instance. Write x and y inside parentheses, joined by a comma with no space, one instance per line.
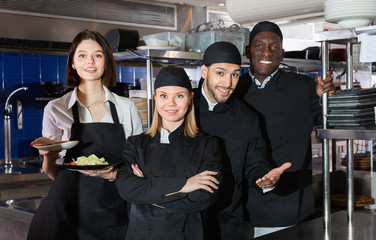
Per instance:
(222,52)
(263,27)
(172,76)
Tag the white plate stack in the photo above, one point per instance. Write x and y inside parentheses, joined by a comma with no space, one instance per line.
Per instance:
(350,13)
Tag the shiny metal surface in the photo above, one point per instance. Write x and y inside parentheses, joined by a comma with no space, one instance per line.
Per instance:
(349,70)
(22,179)
(325,144)
(7,137)
(29,204)
(14,223)
(350,180)
(362,229)
(337,36)
(346,134)
(26,204)
(157,54)
(348,37)
(16,216)
(27,165)
(149,89)
(350,142)
(195,58)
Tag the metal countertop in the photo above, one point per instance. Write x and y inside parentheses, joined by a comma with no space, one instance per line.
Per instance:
(363,228)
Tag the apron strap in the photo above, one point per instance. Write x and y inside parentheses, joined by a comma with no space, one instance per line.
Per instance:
(114,115)
(76,117)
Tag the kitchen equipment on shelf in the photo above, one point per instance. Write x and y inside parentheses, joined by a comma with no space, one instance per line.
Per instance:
(307,53)
(122,39)
(174,40)
(142,107)
(350,13)
(362,161)
(201,37)
(359,200)
(156,42)
(352,109)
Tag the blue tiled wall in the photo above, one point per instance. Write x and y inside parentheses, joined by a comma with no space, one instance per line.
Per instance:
(22,69)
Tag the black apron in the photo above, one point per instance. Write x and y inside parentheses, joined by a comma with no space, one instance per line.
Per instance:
(79,206)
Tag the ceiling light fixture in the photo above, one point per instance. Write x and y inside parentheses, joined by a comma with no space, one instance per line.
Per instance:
(221,4)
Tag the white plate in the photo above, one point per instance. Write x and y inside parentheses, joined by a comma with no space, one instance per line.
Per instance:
(56,147)
(157,47)
(354,22)
(358,16)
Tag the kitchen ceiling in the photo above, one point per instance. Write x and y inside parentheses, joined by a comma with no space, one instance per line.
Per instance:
(208,4)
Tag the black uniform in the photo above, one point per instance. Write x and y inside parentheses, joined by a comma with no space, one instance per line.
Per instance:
(289,105)
(166,167)
(79,206)
(237,126)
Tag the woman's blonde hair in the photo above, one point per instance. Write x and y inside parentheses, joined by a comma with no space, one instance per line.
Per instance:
(190,128)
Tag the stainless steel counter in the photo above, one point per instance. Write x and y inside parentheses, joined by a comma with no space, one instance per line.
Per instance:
(14,223)
(16,214)
(22,187)
(363,228)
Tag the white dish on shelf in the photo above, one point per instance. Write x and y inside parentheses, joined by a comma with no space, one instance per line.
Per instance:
(338,18)
(352,21)
(157,47)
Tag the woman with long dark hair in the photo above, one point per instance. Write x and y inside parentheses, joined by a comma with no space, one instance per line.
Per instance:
(83,205)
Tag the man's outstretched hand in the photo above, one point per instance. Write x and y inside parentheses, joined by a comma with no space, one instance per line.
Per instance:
(272,177)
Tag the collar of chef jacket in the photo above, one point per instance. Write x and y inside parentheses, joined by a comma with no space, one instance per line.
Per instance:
(266,80)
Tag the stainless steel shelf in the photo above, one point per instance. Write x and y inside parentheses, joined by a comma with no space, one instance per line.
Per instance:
(346,134)
(195,58)
(157,54)
(163,57)
(337,36)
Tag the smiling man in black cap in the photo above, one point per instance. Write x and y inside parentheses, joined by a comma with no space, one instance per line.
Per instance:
(220,114)
(289,105)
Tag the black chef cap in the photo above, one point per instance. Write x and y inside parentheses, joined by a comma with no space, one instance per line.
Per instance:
(222,52)
(172,76)
(264,27)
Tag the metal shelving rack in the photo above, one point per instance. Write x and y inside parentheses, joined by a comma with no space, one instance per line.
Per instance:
(162,57)
(151,56)
(347,37)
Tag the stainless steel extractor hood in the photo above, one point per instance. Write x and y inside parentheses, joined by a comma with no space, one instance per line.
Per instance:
(52,24)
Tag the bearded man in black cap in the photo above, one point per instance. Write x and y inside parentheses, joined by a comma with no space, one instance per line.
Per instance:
(220,114)
(289,105)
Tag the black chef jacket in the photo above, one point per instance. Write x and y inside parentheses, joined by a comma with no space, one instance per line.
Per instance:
(238,128)
(166,167)
(289,106)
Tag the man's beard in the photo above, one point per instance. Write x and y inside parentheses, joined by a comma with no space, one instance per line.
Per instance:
(212,92)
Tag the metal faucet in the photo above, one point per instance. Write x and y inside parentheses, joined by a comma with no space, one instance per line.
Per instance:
(7,139)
